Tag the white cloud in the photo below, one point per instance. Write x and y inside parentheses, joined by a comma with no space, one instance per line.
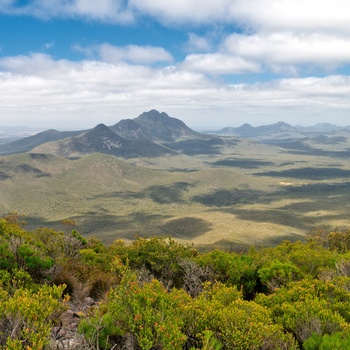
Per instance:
(198,43)
(113,11)
(293,15)
(280,49)
(130,53)
(180,11)
(82,94)
(266,15)
(271,15)
(133,53)
(216,64)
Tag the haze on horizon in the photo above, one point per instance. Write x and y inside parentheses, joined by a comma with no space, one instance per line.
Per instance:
(74,64)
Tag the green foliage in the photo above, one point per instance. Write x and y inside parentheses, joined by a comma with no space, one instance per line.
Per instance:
(335,341)
(148,311)
(278,274)
(308,306)
(159,255)
(29,258)
(339,241)
(237,323)
(310,258)
(232,269)
(26,318)
(287,297)
(22,250)
(210,342)
(7,258)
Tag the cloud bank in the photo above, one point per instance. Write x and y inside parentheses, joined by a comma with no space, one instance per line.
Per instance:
(246,60)
(77,94)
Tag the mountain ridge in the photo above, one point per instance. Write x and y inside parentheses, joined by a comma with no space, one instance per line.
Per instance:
(155,134)
(151,134)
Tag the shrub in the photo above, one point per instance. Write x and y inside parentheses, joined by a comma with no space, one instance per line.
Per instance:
(236,323)
(147,311)
(26,318)
(335,341)
(232,269)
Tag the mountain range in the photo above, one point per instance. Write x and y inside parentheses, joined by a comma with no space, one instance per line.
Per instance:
(152,134)
(155,134)
(280,130)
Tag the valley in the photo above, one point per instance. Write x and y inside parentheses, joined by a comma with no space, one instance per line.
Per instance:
(229,192)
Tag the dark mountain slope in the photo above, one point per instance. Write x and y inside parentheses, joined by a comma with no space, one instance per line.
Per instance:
(28,143)
(246,130)
(102,139)
(155,126)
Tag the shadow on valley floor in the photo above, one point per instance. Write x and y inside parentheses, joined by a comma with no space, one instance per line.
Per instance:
(223,198)
(224,245)
(342,187)
(243,163)
(186,228)
(274,216)
(197,146)
(161,194)
(327,204)
(309,173)
(273,241)
(108,228)
(168,194)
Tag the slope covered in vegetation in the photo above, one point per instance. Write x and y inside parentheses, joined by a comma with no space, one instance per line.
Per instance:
(158,294)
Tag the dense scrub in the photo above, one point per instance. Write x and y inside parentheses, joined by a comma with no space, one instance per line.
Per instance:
(157,294)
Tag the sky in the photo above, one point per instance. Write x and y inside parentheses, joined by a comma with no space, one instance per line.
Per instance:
(72,64)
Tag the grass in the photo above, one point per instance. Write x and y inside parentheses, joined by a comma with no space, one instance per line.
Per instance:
(212,200)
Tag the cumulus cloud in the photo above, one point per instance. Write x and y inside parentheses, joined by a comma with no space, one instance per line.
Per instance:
(293,36)
(133,53)
(130,53)
(197,43)
(292,15)
(83,94)
(184,11)
(271,15)
(253,14)
(101,10)
(279,49)
(217,64)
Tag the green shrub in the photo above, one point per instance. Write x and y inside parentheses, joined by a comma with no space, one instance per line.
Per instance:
(26,318)
(335,341)
(236,323)
(147,311)
(232,269)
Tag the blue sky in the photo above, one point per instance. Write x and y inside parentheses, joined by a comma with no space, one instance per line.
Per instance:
(71,64)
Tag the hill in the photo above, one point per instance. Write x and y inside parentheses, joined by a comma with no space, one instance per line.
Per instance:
(155,126)
(28,143)
(102,139)
(279,131)
(152,134)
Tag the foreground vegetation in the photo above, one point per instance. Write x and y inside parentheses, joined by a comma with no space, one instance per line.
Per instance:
(157,294)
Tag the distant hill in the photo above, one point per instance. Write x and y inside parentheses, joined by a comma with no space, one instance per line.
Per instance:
(272,133)
(277,130)
(151,134)
(101,139)
(154,126)
(28,143)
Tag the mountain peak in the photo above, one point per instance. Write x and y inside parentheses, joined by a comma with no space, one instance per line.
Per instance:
(153,116)
(155,126)
(100,127)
